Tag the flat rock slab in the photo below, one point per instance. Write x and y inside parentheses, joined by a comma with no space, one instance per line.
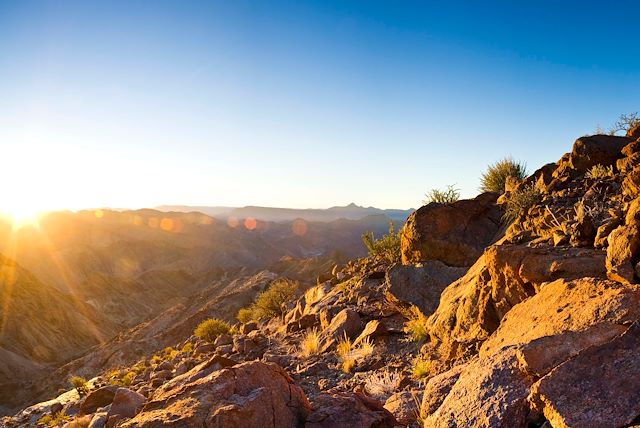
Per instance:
(598,388)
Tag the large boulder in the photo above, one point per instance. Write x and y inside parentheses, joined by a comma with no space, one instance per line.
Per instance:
(623,252)
(472,307)
(420,285)
(456,234)
(126,403)
(349,410)
(600,387)
(249,394)
(490,392)
(596,150)
(98,398)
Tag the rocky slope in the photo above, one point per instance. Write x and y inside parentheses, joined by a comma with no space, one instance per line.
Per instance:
(531,325)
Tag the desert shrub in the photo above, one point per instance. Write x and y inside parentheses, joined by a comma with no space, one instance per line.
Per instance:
(127,379)
(416,326)
(625,122)
(245,315)
(387,247)
(210,329)
(598,172)
(421,368)
(54,420)
(381,385)
(495,178)
(310,344)
(447,196)
(271,302)
(348,353)
(156,359)
(520,200)
(80,384)
(187,348)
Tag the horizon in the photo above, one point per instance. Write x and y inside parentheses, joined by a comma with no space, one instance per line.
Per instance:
(311,104)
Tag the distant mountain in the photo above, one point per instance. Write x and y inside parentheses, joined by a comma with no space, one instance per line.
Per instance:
(350,212)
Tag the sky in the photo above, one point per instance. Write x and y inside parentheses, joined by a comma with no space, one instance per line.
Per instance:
(132,104)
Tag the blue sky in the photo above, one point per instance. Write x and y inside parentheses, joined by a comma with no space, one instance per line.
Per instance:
(298,104)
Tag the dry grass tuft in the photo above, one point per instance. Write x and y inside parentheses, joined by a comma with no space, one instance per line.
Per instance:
(310,344)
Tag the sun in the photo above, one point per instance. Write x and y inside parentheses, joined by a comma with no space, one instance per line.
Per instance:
(21,215)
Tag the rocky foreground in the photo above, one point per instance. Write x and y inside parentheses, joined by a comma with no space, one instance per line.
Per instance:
(534,324)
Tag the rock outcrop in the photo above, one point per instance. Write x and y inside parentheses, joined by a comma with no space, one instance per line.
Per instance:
(455,234)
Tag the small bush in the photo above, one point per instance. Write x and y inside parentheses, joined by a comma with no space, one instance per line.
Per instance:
(625,122)
(271,302)
(56,420)
(156,359)
(187,348)
(310,344)
(520,201)
(245,315)
(495,178)
(447,196)
(387,247)
(382,385)
(598,172)
(348,353)
(80,384)
(210,329)
(421,368)
(416,327)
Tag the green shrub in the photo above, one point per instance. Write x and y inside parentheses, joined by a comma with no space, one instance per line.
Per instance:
(387,247)
(187,348)
(598,172)
(495,178)
(210,329)
(421,368)
(58,419)
(80,384)
(245,315)
(271,302)
(520,200)
(416,327)
(447,196)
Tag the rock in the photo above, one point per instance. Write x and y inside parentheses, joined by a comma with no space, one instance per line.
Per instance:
(631,183)
(471,308)
(596,150)
(403,406)
(564,306)
(99,420)
(603,232)
(622,253)
(98,398)
(351,410)
(222,340)
(420,285)
(490,392)
(456,234)
(583,232)
(204,348)
(599,387)
(374,328)
(165,365)
(437,389)
(560,238)
(248,327)
(247,395)
(346,322)
(126,403)
(634,133)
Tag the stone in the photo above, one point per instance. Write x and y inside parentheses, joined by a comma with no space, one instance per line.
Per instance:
(623,252)
(165,365)
(126,403)
(419,285)
(204,348)
(374,328)
(223,339)
(248,327)
(403,406)
(99,420)
(98,398)
(599,387)
(251,394)
(563,306)
(634,133)
(596,150)
(631,183)
(490,392)
(351,410)
(437,389)
(603,232)
(456,234)
(346,322)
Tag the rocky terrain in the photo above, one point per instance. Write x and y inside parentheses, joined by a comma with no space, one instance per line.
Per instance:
(524,320)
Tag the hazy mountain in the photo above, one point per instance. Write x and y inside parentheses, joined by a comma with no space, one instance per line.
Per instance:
(351,211)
